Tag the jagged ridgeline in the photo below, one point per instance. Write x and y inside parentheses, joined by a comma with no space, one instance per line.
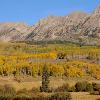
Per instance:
(77,27)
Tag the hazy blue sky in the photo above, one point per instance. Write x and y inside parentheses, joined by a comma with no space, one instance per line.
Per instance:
(30,11)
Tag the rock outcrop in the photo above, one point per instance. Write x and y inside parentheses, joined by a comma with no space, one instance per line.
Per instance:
(76,27)
(14,31)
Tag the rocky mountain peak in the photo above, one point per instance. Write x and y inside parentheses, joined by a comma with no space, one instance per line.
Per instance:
(97,10)
(75,27)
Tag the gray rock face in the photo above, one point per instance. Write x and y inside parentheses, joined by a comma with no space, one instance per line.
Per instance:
(75,27)
(14,31)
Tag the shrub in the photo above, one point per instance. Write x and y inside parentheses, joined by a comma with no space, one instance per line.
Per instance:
(51,89)
(99,91)
(61,96)
(23,93)
(89,87)
(7,91)
(63,88)
(40,96)
(72,89)
(96,87)
(61,55)
(81,86)
(35,90)
(35,96)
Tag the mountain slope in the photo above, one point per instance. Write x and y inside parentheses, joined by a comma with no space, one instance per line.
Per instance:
(76,27)
(14,31)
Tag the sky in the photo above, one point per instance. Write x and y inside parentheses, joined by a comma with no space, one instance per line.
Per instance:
(31,11)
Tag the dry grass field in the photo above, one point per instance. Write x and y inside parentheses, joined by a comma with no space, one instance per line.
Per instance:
(84,96)
(28,82)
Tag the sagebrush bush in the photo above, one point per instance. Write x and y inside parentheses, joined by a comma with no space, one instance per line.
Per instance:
(40,96)
(35,90)
(81,86)
(61,96)
(51,89)
(96,87)
(23,93)
(63,88)
(72,89)
(89,87)
(7,91)
(43,96)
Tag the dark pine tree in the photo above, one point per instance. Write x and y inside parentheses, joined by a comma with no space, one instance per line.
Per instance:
(45,79)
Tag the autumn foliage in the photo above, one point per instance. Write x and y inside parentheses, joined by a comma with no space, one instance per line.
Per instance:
(61,60)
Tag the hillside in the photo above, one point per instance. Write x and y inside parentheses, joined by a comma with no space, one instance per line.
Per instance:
(75,27)
(14,31)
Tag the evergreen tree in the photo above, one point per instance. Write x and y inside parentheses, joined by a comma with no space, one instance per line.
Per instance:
(45,79)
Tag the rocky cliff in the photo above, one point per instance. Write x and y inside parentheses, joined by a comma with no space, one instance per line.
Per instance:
(76,27)
(14,31)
